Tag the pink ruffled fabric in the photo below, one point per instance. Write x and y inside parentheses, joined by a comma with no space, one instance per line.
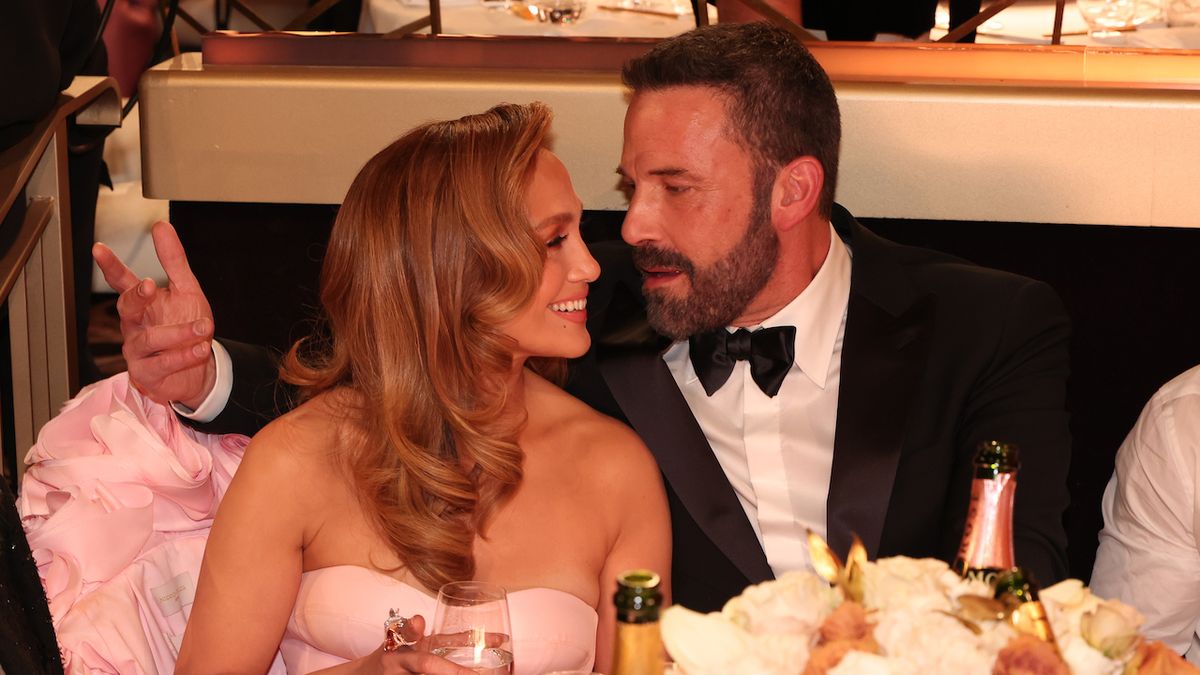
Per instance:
(117,504)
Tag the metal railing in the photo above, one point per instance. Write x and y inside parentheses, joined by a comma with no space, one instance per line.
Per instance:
(36,277)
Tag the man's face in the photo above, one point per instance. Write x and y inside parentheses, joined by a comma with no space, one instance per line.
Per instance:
(699,220)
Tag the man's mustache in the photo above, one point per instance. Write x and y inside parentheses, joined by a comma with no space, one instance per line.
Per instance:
(648,257)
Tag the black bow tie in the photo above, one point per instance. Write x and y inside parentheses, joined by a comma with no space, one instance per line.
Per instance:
(770,352)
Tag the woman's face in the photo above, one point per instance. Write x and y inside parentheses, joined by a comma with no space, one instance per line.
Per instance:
(554,322)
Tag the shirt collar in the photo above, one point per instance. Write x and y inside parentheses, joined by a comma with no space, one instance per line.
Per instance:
(818,311)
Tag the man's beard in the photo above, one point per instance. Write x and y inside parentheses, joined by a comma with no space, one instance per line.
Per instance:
(721,291)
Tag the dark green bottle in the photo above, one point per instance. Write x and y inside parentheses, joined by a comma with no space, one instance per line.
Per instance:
(1015,587)
(638,646)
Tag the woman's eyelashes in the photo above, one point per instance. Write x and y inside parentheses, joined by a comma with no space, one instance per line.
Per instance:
(556,241)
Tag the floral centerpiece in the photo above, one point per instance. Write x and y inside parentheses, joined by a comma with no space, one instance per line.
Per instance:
(907,616)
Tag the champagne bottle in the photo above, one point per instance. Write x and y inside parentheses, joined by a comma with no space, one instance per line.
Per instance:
(1015,587)
(987,541)
(1016,590)
(638,649)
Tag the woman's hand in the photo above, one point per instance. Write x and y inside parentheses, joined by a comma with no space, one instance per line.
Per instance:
(410,658)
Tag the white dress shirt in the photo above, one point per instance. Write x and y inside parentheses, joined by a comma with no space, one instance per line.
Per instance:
(1149,554)
(778,452)
(215,402)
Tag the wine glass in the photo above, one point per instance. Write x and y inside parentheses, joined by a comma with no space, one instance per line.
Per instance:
(1105,18)
(471,627)
(558,11)
(1182,13)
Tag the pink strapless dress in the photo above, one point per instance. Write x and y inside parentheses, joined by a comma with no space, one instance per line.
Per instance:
(339,615)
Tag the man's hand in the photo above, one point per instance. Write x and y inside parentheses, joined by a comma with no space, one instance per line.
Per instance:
(166,330)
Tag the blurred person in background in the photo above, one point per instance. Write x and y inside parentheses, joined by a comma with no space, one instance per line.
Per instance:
(44,45)
(1149,553)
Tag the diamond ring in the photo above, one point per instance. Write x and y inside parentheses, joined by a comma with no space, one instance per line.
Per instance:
(393,632)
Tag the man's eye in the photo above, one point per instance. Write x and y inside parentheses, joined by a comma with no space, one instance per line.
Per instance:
(627,187)
(677,189)
(557,241)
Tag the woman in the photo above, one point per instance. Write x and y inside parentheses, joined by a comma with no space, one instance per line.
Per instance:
(432,445)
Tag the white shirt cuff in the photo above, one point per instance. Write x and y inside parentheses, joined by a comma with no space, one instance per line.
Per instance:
(218,398)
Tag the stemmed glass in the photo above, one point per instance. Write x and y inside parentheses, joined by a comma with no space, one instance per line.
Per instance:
(471,627)
(1182,12)
(1105,18)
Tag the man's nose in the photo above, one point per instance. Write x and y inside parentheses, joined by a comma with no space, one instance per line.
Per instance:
(639,226)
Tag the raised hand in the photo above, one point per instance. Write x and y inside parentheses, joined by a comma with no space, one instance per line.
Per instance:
(167,331)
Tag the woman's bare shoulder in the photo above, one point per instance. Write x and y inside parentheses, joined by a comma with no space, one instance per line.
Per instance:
(302,443)
(604,443)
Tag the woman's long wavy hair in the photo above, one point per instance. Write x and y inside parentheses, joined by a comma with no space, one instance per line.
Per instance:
(431,254)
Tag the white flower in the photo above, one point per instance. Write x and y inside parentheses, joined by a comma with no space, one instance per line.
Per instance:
(1068,593)
(778,653)
(862,663)
(702,643)
(913,583)
(1112,628)
(928,641)
(794,604)
(1094,636)
(710,644)
(1082,659)
(996,636)
(1066,602)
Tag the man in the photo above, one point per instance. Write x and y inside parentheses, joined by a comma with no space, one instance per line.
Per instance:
(869,373)
(45,45)
(1149,553)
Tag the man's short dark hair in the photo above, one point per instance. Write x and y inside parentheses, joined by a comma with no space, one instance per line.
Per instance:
(780,102)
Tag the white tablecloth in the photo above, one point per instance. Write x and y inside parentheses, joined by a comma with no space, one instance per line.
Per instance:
(472,18)
(1031,23)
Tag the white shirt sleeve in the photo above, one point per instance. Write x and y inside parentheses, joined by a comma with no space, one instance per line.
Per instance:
(1149,554)
(218,398)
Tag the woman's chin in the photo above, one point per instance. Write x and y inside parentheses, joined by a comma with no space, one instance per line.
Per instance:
(581,351)
(578,349)
(567,349)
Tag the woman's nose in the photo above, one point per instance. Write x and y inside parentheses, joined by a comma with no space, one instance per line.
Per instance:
(585,267)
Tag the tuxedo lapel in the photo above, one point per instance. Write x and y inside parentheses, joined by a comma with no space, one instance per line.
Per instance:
(884,354)
(643,386)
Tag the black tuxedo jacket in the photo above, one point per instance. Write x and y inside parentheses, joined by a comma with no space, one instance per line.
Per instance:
(938,355)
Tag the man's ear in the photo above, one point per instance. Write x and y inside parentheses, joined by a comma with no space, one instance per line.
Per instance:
(797,191)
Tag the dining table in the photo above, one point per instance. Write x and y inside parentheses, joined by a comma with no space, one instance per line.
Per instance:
(600,18)
(1032,21)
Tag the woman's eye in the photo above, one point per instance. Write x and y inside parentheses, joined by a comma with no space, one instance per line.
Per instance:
(557,241)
